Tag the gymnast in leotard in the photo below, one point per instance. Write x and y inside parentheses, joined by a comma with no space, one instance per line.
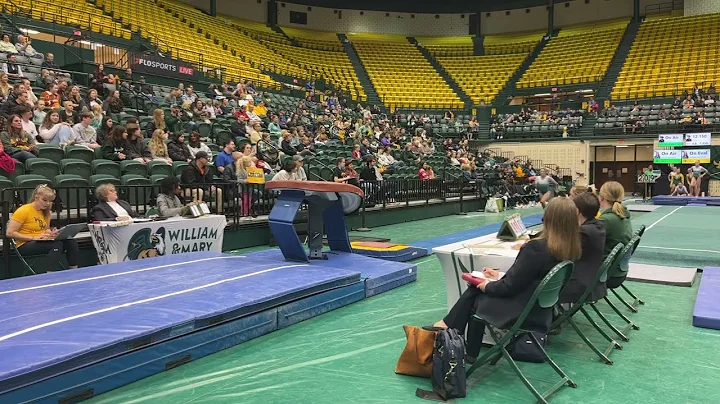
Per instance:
(547,187)
(675,178)
(696,173)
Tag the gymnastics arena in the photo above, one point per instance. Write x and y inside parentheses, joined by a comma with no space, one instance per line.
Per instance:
(319,201)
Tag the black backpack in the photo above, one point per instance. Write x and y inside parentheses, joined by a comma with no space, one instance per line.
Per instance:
(448,371)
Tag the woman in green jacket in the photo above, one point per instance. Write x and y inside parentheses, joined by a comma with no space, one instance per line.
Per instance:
(618,228)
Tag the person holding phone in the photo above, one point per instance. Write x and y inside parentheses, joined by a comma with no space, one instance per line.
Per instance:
(30,228)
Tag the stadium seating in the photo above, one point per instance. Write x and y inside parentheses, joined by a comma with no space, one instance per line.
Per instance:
(447,45)
(521,42)
(319,40)
(579,54)
(68,12)
(401,74)
(481,77)
(671,55)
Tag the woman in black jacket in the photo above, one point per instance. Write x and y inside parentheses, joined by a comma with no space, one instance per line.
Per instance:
(178,150)
(115,147)
(110,207)
(500,301)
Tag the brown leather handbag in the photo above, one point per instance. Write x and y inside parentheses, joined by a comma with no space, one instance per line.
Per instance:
(416,358)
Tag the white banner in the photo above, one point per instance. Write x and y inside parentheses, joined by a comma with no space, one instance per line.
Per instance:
(152,239)
(698,139)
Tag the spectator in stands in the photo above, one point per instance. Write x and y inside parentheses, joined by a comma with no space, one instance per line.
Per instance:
(339,173)
(12,68)
(51,96)
(115,147)
(423,172)
(168,201)
(689,103)
(500,301)
(195,145)
(254,135)
(6,46)
(83,133)
(74,96)
(26,113)
(106,125)
(98,79)
(178,150)
(54,131)
(110,207)
(157,146)
(98,116)
(68,114)
(260,110)
(173,97)
(15,101)
(274,126)
(49,62)
(198,178)
(157,122)
(24,47)
(113,104)
(5,87)
(225,156)
(288,171)
(16,142)
(137,148)
(30,228)
(616,218)
(189,95)
(31,97)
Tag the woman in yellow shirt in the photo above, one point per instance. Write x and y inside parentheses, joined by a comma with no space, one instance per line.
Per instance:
(30,228)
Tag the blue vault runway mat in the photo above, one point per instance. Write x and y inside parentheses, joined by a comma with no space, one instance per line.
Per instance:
(75,334)
(706,313)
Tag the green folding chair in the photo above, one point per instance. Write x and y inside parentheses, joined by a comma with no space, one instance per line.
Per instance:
(566,316)
(546,296)
(636,300)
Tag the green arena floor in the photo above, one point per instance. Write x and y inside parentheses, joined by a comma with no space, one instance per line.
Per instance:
(348,355)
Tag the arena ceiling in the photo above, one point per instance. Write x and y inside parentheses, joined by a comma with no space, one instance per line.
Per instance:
(427,6)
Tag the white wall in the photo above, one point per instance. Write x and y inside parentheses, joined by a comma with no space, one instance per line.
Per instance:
(244,9)
(696,7)
(325,19)
(518,20)
(596,10)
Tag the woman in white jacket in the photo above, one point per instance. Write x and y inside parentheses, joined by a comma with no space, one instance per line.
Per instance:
(54,132)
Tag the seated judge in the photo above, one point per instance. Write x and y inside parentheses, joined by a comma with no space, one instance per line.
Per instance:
(30,228)
(168,202)
(500,301)
(592,241)
(110,207)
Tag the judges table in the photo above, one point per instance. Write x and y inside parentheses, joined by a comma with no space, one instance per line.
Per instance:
(473,255)
(143,238)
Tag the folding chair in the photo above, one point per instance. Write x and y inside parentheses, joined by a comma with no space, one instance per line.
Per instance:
(546,296)
(636,300)
(566,316)
(27,269)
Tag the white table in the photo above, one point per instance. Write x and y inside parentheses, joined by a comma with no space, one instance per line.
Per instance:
(148,239)
(471,259)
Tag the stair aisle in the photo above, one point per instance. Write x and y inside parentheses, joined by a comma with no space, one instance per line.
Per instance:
(372,95)
(616,64)
(507,91)
(444,74)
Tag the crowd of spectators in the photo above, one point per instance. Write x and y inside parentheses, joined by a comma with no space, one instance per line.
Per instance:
(568,121)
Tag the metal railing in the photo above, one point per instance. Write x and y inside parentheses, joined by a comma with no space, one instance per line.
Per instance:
(647,91)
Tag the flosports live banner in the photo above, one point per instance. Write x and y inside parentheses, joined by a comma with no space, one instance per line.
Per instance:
(161,66)
(152,239)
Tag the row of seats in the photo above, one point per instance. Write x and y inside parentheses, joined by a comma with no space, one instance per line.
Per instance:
(520,43)
(482,77)
(670,55)
(318,40)
(577,55)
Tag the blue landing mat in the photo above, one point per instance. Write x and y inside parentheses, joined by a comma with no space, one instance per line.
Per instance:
(66,320)
(379,275)
(685,200)
(405,254)
(707,305)
(429,244)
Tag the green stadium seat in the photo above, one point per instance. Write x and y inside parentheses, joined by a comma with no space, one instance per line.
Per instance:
(80,153)
(156,178)
(179,167)
(72,190)
(6,183)
(136,195)
(77,167)
(204,129)
(99,179)
(42,166)
(106,167)
(50,152)
(159,167)
(133,167)
(29,181)
(19,170)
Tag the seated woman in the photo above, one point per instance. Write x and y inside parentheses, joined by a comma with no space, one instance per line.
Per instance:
(500,301)
(592,241)
(168,202)
(288,172)
(30,228)
(110,207)
(618,228)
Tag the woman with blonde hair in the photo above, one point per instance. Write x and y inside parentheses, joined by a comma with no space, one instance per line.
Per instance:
(241,173)
(696,172)
(501,300)
(616,218)
(5,87)
(158,122)
(30,228)
(158,147)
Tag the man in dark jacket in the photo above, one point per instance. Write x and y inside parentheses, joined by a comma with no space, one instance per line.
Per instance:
(137,148)
(592,238)
(198,181)
(16,100)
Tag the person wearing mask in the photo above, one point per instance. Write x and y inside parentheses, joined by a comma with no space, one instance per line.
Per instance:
(618,228)
(168,202)
(16,142)
(83,133)
(30,228)
(110,207)
(501,300)
(178,150)
(198,178)
(136,144)
(225,156)
(158,148)
(115,147)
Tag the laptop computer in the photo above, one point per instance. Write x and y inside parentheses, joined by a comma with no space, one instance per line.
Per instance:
(70,231)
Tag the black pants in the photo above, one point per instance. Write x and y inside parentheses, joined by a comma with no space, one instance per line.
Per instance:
(54,251)
(460,317)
